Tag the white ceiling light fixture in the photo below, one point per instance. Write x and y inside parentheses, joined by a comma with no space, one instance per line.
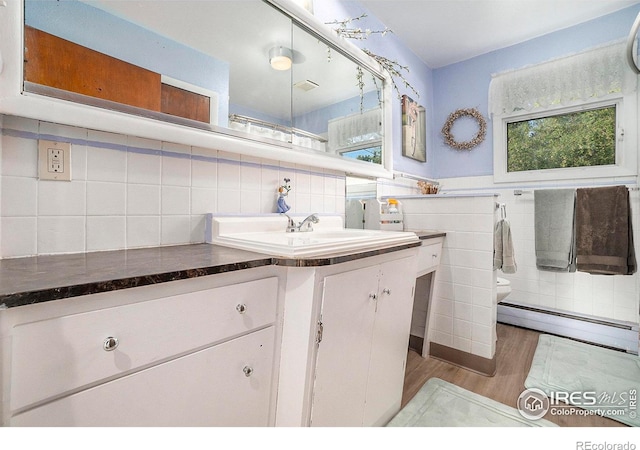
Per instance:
(280,58)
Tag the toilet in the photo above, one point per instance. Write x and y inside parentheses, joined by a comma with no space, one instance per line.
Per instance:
(503,289)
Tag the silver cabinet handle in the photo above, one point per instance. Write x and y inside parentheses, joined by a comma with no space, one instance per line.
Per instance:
(241,308)
(247,371)
(373,296)
(386,291)
(110,344)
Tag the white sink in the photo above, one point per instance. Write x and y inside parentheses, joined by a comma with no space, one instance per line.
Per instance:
(267,234)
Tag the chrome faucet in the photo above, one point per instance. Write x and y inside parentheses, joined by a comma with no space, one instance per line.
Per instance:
(311,219)
(305,225)
(291,225)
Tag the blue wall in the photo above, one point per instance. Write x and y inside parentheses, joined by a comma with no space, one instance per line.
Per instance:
(466,85)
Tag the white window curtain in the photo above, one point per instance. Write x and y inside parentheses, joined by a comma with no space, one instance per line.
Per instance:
(582,77)
(355,131)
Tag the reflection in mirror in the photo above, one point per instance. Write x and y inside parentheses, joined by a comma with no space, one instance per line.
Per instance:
(357,190)
(334,98)
(206,64)
(196,45)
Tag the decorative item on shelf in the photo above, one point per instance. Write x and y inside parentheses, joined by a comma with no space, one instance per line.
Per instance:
(465,145)
(283,191)
(428,188)
(414,142)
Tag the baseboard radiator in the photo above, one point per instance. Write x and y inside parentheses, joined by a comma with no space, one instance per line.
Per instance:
(605,332)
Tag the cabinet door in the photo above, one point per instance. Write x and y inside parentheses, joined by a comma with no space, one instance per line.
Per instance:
(390,341)
(207,388)
(342,362)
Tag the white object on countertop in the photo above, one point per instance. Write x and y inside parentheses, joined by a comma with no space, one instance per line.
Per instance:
(267,234)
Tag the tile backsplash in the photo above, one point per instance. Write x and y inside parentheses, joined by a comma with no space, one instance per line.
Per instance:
(128,192)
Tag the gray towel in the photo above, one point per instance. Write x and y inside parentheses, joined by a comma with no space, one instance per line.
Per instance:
(503,256)
(555,229)
(497,246)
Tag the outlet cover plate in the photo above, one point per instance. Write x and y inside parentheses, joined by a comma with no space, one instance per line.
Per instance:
(62,169)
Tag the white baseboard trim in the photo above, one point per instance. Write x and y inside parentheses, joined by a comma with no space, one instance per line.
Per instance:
(616,334)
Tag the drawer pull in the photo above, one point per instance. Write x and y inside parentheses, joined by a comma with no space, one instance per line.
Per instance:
(373,296)
(241,308)
(247,371)
(110,344)
(386,291)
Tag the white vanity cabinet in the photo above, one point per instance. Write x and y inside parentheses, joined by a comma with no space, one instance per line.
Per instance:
(429,255)
(318,342)
(205,357)
(360,365)
(224,385)
(344,354)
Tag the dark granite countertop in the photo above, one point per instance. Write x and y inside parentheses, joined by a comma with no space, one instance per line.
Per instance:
(25,281)
(429,234)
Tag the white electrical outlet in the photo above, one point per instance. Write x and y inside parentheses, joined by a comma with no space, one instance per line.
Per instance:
(54,160)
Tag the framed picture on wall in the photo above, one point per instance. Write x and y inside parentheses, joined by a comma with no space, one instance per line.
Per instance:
(414,139)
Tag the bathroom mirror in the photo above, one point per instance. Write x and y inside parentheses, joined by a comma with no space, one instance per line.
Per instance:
(210,65)
(357,191)
(632,48)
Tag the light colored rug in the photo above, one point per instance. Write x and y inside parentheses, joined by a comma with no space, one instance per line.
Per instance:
(596,378)
(442,404)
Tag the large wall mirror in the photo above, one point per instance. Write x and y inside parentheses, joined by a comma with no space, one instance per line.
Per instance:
(242,68)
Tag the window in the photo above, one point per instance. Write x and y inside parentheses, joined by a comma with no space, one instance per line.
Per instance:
(570,118)
(573,139)
(370,154)
(358,136)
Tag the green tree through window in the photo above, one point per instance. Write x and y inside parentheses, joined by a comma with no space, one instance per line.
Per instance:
(372,154)
(576,139)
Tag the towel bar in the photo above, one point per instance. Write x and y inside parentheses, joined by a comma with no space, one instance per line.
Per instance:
(520,191)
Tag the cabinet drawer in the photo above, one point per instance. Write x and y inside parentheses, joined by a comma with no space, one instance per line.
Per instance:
(429,257)
(206,388)
(54,356)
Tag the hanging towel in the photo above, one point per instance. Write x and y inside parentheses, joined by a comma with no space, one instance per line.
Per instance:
(503,255)
(497,246)
(554,227)
(604,232)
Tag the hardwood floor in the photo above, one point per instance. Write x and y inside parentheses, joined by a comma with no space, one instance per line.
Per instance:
(514,353)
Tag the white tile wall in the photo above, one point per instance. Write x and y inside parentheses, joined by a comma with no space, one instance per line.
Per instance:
(129,192)
(610,297)
(463,306)
(614,297)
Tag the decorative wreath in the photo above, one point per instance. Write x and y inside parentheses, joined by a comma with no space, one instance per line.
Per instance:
(468,145)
